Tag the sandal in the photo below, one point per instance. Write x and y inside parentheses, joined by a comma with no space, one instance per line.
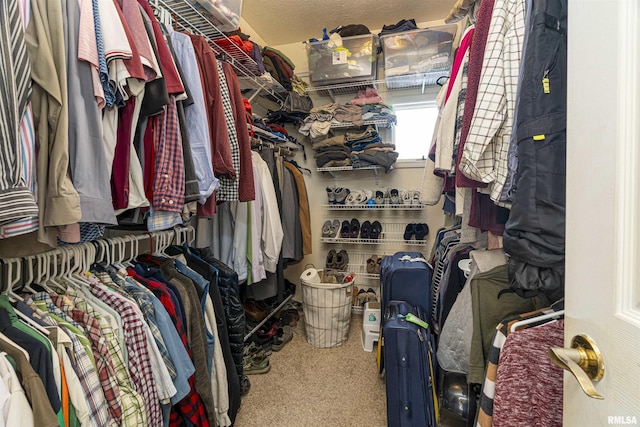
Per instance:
(371,264)
(335,227)
(326,229)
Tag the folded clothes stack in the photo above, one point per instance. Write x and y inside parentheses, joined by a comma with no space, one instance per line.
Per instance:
(318,123)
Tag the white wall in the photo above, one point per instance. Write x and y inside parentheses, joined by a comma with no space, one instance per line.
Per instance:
(400,178)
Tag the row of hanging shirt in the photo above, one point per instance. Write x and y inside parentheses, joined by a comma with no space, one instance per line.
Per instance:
(113,113)
(505,165)
(123,345)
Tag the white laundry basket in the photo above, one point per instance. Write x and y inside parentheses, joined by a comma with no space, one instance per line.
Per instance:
(327,311)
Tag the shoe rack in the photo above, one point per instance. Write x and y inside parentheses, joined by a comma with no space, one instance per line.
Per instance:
(392,234)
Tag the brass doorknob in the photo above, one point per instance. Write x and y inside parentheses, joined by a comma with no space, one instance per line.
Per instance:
(583,360)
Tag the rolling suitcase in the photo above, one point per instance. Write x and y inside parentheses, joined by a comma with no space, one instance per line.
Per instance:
(406,276)
(409,354)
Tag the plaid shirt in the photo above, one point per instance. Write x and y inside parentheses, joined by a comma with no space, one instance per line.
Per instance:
(191,407)
(104,365)
(138,349)
(484,157)
(149,313)
(133,413)
(229,188)
(85,367)
(168,180)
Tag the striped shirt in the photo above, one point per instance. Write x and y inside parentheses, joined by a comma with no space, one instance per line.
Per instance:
(15,198)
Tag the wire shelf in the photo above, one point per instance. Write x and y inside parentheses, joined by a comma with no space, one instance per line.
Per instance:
(388,83)
(386,206)
(382,241)
(392,233)
(190,16)
(348,168)
(385,123)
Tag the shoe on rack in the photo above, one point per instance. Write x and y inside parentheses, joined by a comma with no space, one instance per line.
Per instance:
(371,264)
(415,197)
(394,196)
(341,194)
(375,230)
(380,196)
(253,311)
(421,231)
(365,229)
(366,196)
(361,298)
(331,194)
(409,231)
(282,337)
(331,259)
(355,229)
(371,295)
(345,230)
(407,197)
(342,260)
(377,268)
(326,228)
(352,198)
(335,228)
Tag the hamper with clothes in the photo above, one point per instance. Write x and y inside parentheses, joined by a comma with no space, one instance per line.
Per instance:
(327,309)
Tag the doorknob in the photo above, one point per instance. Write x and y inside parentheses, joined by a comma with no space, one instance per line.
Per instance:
(583,360)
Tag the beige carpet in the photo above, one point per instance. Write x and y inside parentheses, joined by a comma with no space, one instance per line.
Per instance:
(309,386)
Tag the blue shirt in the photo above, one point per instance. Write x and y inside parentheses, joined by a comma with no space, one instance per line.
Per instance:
(196,116)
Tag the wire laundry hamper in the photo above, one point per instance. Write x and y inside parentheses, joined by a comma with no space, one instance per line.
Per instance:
(327,312)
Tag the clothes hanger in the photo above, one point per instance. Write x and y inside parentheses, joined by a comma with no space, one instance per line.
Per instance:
(300,168)
(536,319)
(13,296)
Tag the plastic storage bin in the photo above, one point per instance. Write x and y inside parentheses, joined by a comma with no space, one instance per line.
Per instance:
(327,310)
(225,13)
(355,59)
(418,51)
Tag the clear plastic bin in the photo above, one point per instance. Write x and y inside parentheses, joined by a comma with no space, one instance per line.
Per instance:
(226,13)
(355,59)
(418,51)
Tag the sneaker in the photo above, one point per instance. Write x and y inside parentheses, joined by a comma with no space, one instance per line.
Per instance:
(249,367)
(283,336)
(245,385)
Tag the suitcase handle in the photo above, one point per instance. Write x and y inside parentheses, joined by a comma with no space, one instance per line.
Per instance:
(410,317)
(416,259)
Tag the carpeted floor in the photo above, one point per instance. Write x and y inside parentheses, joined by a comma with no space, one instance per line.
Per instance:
(309,386)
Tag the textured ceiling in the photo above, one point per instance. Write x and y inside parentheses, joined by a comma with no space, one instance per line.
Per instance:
(288,21)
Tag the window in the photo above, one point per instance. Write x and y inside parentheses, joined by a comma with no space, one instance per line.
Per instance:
(412,135)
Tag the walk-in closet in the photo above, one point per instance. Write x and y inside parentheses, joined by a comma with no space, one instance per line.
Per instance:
(249,213)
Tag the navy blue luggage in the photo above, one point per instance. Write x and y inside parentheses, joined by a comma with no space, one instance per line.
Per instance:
(406,276)
(410,365)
